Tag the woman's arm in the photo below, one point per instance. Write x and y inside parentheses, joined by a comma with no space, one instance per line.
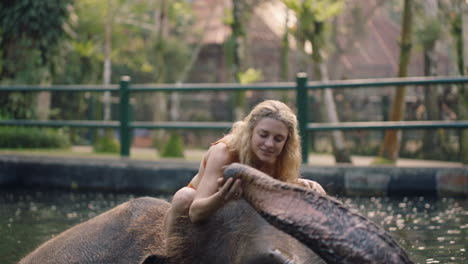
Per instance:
(209,196)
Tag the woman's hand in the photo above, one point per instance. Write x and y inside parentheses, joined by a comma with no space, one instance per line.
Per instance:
(230,188)
(311,185)
(202,208)
(212,192)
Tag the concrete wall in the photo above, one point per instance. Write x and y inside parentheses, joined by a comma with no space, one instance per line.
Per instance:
(166,176)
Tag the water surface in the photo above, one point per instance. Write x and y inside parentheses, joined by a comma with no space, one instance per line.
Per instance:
(431,230)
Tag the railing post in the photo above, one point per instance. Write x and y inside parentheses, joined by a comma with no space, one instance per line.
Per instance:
(301,101)
(124,117)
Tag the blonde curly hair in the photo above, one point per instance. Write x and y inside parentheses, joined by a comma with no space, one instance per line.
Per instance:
(239,139)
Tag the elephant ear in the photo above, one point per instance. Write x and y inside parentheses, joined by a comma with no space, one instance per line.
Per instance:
(155,259)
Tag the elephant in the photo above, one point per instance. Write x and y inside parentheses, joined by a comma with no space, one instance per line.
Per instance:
(133,233)
(123,234)
(274,222)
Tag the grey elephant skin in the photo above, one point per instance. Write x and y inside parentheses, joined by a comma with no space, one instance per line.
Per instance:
(123,234)
(325,225)
(315,229)
(132,233)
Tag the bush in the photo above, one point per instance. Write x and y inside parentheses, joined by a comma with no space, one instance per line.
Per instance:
(366,150)
(174,148)
(106,144)
(33,137)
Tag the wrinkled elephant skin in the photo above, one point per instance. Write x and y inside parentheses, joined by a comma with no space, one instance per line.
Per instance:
(235,234)
(325,225)
(131,232)
(124,234)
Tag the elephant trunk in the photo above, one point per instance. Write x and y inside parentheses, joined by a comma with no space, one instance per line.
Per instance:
(323,224)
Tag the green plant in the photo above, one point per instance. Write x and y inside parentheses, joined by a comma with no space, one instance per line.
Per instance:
(365,149)
(106,144)
(250,76)
(382,161)
(33,137)
(174,147)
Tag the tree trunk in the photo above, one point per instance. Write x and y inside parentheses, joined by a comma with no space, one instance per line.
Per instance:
(462,52)
(391,145)
(339,146)
(107,71)
(43,105)
(431,139)
(159,99)
(284,67)
(43,99)
(340,152)
(285,49)
(238,41)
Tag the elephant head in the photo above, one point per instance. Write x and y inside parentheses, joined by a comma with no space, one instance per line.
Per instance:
(325,225)
(235,234)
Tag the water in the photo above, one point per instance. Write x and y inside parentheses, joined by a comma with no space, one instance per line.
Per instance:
(432,231)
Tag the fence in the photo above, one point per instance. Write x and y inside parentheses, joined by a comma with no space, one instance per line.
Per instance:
(301,86)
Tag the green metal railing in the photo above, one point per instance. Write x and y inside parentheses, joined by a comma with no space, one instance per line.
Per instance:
(301,86)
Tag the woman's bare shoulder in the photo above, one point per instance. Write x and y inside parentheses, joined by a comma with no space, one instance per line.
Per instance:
(219,153)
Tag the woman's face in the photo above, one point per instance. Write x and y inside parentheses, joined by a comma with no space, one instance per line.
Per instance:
(268,139)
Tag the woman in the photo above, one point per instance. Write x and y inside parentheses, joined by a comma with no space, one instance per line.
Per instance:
(267,139)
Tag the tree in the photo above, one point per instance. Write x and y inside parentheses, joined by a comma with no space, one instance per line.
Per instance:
(390,147)
(31,34)
(284,67)
(235,47)
(428,33)
(134,51)
(107,70)
(160,49)
(459,29)
(311,32)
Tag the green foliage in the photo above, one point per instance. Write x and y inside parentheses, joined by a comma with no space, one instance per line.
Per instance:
(365,149)
(174,147)
(32,137)
(429,31)
(31,32)
(250,76)
(17,105)
(312,11)
(429,24)
(313,16)
(181,16)
(78,62)
(382,161)
(55,40)
(229,47)
(106,144)
(456,29)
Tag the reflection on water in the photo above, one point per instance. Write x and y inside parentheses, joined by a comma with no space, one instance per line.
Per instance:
(432,231)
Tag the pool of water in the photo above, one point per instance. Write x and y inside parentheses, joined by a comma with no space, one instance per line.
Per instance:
(431,230)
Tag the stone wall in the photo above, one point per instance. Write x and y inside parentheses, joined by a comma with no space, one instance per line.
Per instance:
(166,176)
